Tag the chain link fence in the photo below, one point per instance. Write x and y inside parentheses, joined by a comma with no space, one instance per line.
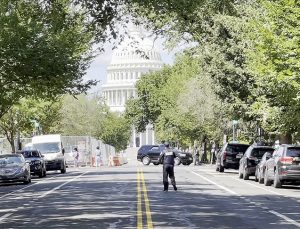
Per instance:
(86,146)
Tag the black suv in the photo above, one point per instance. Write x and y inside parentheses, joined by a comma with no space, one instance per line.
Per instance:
(250,160)
(283,166)
(150,154)
(229,156)
(36,160)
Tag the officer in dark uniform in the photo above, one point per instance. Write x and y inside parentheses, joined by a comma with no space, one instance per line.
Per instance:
(167,159)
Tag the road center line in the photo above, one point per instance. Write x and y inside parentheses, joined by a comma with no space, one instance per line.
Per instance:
(214,183)
(58,187)
(147,204)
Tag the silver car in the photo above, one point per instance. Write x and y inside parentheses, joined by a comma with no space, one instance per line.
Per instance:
(14,168)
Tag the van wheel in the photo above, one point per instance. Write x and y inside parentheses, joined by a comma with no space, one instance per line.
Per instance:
(146,160)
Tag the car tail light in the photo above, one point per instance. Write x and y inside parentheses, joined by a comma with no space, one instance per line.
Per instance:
(286,160)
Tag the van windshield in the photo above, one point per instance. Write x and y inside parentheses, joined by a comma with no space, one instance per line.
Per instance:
(49,147)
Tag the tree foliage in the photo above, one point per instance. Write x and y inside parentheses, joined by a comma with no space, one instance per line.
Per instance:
(115,130)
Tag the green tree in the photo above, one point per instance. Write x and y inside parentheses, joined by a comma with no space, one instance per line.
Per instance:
(45,50)
(19,118)
(115,130)
(81,115)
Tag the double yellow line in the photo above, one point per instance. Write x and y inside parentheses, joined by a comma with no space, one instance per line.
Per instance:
(141,188)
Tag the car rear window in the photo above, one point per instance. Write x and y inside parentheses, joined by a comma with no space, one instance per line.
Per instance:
(237,148)
(259,152)
(293,152)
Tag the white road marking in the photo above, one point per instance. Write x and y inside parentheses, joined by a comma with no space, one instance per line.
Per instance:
(285,218)
(291,221)
(257,186)
(58,187)
(5,216)
(214,183)
(28,186)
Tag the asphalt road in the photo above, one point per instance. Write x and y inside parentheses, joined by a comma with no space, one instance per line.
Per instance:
(131,196)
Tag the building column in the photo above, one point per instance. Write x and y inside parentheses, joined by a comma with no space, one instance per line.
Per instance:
(153,136)
(147,134)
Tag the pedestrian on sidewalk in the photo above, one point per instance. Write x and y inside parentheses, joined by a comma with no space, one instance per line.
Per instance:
(98,157)
(196,156)
(167,159)
(76,156)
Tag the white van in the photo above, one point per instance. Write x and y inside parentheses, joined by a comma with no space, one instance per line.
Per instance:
(51,147)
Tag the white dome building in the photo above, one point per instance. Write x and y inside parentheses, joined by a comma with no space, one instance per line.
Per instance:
(126,67)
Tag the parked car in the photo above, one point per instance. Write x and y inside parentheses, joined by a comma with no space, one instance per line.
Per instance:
(229,156)
(250,160)
(14,168)
(261,167)
(283,166)
(150,154)
(36,161)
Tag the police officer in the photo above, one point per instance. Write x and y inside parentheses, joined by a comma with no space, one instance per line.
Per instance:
(167,158)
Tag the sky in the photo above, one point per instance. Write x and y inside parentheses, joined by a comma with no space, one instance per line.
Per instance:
(97,70)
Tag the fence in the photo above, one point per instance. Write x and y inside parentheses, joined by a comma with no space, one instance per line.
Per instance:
(86,146)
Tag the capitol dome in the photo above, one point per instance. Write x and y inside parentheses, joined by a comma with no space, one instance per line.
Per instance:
(135,56)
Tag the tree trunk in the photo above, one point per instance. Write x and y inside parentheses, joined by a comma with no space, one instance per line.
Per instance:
(286,139)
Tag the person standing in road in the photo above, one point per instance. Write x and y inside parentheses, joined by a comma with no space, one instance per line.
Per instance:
(76,157)
(167,159)
(98,156)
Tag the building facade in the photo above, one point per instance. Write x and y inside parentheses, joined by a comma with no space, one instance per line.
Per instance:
(134,57)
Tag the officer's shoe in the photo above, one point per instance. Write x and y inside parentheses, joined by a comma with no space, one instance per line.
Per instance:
(165,190)
(175,188)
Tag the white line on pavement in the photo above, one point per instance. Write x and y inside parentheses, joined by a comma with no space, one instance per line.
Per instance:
(58,187)
(214,183)
(5,216)
(285,218)
(232,192)
(28,186)
(257,186)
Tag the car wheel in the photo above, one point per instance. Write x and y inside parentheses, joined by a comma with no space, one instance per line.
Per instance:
(217,168)
(44,173)
(245,175)
(260,178)
(28,180)
(240,174)
(267,182)
(177,161)
(64,169)
(277,182)
(221,169)
(146,160)
(41,173)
